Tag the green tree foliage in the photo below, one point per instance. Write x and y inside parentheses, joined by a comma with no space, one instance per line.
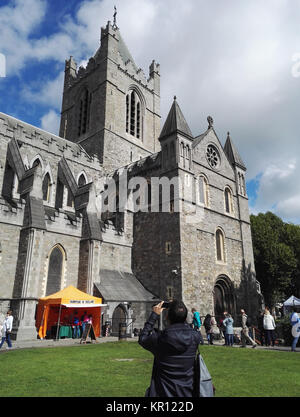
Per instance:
(276,247)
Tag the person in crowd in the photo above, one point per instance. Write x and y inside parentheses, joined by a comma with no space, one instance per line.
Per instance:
(236,338)
(295,320)
(7,329)
(190,319)
(245,331)
(222,327)
(269,326)
(260,326)
(174,351)
(84,321)
(197,323)
(209,324)
(228,323)
(76,326)
(250,329)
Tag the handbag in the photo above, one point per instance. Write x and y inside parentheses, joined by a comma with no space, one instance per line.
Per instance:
(203,386)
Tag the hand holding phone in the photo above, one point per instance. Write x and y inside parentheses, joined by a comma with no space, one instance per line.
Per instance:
(158,308)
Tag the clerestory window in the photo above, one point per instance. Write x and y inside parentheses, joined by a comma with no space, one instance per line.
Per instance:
(203,191)
(220,245)
(228,201)
(46,187)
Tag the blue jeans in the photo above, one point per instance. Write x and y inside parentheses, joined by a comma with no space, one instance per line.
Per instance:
(76,332)
(229,339)
(295,341)
(7,338)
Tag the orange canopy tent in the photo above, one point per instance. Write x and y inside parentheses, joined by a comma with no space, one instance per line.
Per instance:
(55,308)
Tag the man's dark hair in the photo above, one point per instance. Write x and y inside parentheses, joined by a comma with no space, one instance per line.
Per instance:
(177,312)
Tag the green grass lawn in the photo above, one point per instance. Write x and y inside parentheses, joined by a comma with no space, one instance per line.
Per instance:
(123,369)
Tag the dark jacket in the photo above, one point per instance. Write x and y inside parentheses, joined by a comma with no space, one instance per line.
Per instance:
(174,351)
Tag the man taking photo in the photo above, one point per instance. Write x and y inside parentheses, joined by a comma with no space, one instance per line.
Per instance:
(174,351)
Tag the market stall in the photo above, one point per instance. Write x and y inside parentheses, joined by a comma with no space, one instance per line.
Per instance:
(291,302)
(56,312)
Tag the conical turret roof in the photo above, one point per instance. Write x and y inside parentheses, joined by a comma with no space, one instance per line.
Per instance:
(232,153)
(175,122)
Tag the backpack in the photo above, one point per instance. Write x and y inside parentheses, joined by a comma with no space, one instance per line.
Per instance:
(207,323)
(248,322)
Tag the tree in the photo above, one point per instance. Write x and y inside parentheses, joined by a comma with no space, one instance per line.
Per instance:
(275,259)
(292,239)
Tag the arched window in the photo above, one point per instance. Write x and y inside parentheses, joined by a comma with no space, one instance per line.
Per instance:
(10,182)
(220,245)
(239,183)
(46,187)
(133,115)
(84,112)
(36,162)
(81,180)
(203,191)
(182,152)
(243,185)
(55,270)
(188,157)
(228,201)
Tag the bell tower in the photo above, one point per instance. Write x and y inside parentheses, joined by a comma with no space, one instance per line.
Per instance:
(110,107)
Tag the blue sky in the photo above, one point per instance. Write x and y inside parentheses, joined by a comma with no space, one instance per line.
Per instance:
(236,61)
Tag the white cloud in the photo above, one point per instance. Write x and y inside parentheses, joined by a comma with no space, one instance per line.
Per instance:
(233,60)
(48,93)
(17,22)
(279,190)
(50,122)
(289,209)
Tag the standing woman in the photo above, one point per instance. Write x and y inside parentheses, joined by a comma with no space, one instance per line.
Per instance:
(209,323)
(228,323)
(269,326)
(7,329)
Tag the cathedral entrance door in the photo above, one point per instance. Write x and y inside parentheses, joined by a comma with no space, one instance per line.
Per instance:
(119,316)
(223,297)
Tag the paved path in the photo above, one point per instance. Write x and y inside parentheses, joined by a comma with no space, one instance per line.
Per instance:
(27,344)
(46,343)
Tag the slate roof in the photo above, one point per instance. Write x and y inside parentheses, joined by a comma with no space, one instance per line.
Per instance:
(232,153)
(122,286)
(198,139)
(124,51)
(175,122)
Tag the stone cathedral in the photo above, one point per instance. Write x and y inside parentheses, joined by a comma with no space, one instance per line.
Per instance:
(52,233)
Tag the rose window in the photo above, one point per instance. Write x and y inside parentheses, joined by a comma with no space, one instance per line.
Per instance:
(213,156)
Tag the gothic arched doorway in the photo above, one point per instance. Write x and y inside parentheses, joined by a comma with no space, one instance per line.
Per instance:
(224,296)
(119,316)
